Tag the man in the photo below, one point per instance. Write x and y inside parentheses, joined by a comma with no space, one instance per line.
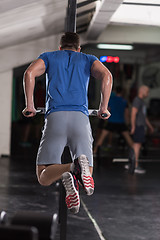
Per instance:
(66,119)
(139,121)
(119,118)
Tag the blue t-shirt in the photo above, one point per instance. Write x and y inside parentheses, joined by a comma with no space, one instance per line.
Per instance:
(117,105)
(67,79)
(141,114)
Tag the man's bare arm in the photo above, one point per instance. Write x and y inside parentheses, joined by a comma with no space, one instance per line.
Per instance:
(133,119)
(149,125)
(100,72)
(36,69)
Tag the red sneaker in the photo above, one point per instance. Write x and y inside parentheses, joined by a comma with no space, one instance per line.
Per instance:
(71,186)
(82,173)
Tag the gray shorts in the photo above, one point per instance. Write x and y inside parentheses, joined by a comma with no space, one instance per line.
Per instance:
(65,128)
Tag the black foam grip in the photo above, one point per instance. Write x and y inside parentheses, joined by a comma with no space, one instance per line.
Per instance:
(28,113)
(104,115)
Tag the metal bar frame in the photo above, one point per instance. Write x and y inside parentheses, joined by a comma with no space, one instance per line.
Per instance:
(66,158)
(71,16)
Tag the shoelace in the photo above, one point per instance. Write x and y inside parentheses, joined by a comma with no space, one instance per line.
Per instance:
(85,167)
(68,184)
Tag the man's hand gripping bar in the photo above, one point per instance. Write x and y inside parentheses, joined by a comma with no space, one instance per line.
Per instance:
(92,112)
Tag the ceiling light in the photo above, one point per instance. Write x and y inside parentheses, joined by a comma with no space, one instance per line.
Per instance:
(142,1)
(115,46)
(137,14)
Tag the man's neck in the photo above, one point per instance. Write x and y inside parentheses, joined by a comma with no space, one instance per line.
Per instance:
(70,49)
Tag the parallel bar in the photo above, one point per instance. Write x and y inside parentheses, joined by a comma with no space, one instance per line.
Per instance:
(85,25)
(82,4)
(86,12)
(70,27)
(71,16)
(92,112)
(66,158)
(81,31)
(62,213)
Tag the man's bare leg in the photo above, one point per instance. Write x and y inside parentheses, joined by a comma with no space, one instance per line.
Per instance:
(49,174)
(128,138)
(99,142)
(137,148)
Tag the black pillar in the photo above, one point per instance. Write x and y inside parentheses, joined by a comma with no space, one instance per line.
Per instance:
(71,16)
(66,158)
(70,26)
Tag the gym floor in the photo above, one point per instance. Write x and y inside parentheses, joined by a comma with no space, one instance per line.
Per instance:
(123,207)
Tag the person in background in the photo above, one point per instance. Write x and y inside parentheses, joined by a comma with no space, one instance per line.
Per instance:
(118,121)
(139,121)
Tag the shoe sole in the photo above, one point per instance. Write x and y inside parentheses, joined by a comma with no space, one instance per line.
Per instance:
(86,180)
(72,195)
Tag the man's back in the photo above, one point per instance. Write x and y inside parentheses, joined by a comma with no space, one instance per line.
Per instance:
(68,74)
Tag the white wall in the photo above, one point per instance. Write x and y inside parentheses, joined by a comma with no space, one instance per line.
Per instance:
(130,34)
(10,58)
(24,53)
(5,106)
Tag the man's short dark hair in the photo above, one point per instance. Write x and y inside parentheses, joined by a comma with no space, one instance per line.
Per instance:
(119,89)
(70,40)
